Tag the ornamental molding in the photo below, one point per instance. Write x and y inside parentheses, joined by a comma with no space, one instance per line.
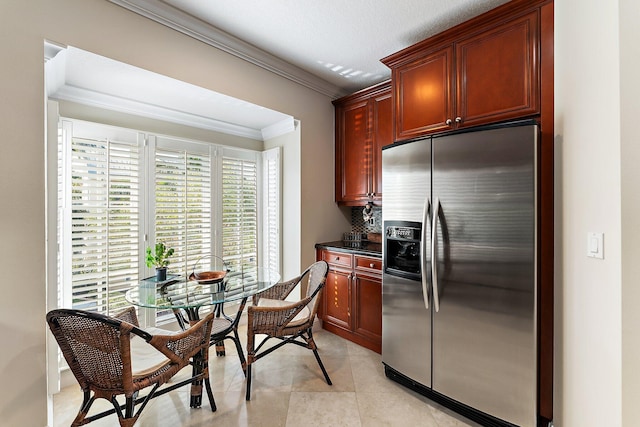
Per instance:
(180,21)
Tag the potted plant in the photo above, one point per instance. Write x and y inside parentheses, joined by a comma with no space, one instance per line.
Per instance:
(159,259)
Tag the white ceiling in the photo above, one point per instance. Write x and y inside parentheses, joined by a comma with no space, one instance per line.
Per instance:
(340,42)
(331,46)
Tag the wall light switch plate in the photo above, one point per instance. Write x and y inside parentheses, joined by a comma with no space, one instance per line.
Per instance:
(595,245)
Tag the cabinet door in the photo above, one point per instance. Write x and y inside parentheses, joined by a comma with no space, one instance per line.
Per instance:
(423,94)
(353,155)
(497,73)
(368,307)
(382,135)
(337,298)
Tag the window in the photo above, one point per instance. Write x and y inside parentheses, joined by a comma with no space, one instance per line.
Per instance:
(271,206)
(183,214)
(101,216)
(122,190)
(239,211)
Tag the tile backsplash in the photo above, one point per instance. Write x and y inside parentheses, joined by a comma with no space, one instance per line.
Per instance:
(358,224)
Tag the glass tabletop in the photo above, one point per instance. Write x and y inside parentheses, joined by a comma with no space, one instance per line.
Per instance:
(183,292)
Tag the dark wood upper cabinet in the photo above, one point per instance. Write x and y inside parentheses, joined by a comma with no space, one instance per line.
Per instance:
(477,75)
(364,124)
(497,73)
(424,94)
(355,147)
(382,135)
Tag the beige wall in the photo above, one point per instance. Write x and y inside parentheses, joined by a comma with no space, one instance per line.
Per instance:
(597,104)
(630,175)
(103,28)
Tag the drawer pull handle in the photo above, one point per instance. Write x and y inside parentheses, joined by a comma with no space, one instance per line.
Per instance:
(372,265)
(337,258)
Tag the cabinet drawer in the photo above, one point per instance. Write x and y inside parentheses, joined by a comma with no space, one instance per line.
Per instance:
(337,258)
(368,264)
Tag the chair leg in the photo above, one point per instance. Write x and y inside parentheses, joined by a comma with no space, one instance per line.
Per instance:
(236,341)
(84,409)
(128,419)
(212,401)
(248,374)
(312,345)
(129,405)
(220,350)
(324,371)
(251,353)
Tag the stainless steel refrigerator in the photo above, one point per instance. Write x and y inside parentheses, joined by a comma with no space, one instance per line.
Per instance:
(459,278)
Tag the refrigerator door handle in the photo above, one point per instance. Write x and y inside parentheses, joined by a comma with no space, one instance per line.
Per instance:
(434,253)
(426,214)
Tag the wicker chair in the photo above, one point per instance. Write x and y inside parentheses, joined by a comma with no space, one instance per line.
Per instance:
(287,321)
(103,354)
(224,328)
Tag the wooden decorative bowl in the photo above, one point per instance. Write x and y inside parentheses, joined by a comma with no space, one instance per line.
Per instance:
(206,277)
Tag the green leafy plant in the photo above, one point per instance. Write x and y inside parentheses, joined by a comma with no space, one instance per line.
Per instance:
(160,257)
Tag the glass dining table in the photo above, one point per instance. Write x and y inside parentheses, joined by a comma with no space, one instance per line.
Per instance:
(185,293)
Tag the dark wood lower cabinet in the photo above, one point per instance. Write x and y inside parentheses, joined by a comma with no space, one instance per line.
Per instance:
(367,298)
(352,301)
(337,299)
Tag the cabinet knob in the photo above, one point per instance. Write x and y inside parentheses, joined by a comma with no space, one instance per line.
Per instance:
(458,119)
(372,265)
(448,122)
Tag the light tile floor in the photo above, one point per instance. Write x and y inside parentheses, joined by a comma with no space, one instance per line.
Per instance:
(288,390)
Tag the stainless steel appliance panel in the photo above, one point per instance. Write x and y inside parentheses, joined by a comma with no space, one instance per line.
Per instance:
(406,322)
(406,329)
(484,332)
(406,180)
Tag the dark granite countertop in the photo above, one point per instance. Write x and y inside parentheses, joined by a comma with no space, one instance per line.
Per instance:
(361,248)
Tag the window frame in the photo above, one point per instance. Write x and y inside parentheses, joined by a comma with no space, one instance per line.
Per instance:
(150,143)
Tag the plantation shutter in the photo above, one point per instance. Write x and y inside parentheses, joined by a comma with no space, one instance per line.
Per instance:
(240,211)
(271,208)
(104,228)
(183,201)
(118,195)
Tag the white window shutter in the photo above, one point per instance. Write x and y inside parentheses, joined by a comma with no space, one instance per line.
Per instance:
(105,221)
(109,202)
(239,211)
(183,204)
(271,208)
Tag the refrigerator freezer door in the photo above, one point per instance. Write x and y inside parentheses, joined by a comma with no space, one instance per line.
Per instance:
(406,322)
(484,335)
(406,329)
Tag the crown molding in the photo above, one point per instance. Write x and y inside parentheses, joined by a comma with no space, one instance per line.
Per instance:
(180,21)
(280,128)
(110,102)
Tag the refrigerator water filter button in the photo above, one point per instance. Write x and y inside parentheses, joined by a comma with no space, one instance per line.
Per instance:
(595,245)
